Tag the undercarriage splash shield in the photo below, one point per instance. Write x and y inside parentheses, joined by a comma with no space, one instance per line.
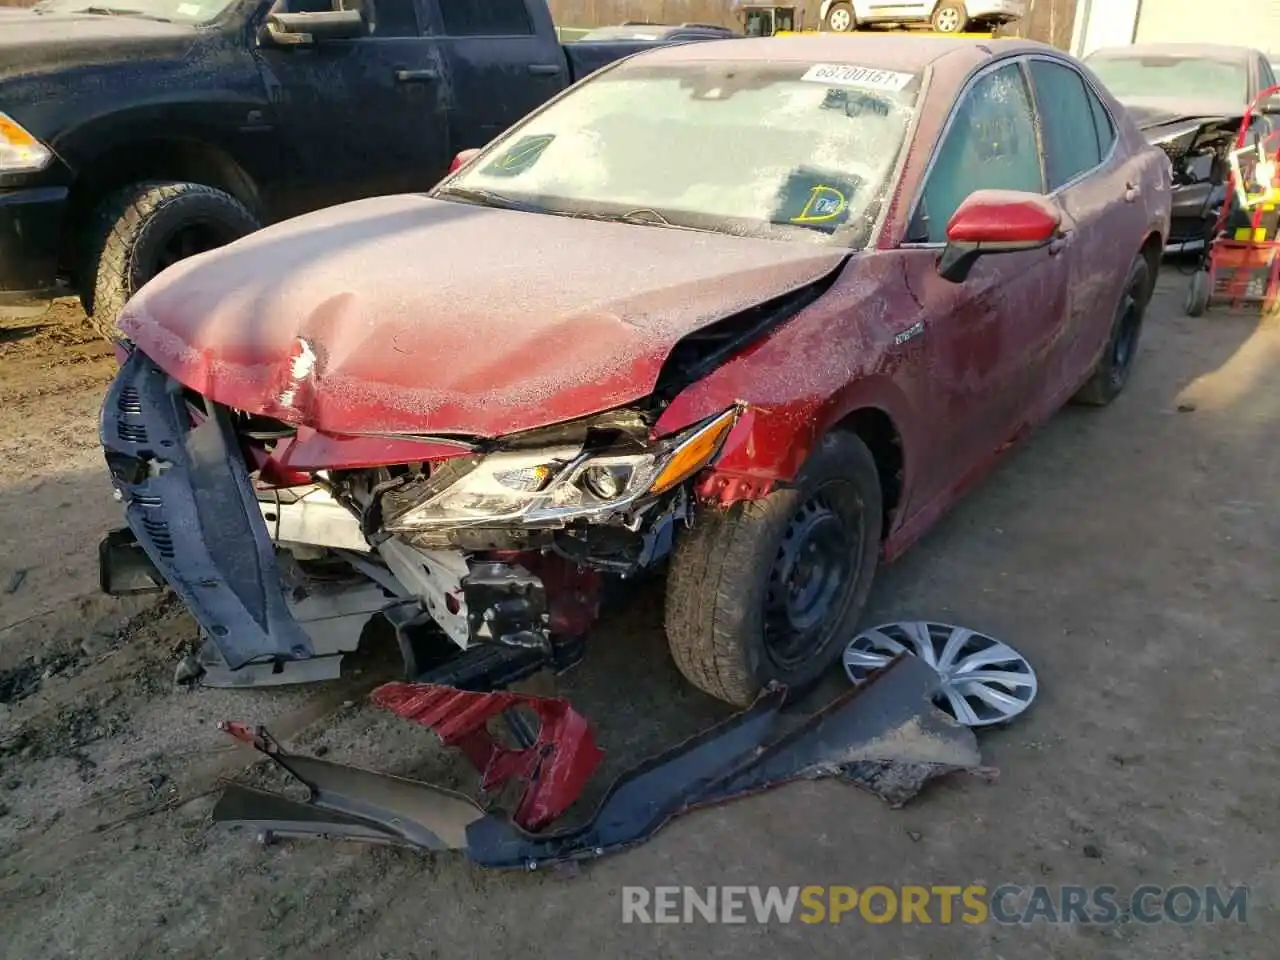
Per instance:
(885,736)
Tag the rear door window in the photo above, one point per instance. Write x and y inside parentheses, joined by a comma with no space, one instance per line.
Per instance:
(1068,120)
(991,144)
(485,18)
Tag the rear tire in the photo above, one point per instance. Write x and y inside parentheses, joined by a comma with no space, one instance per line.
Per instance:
(950,17)
(841,19)
(772,589)
(1112,373)
(140,230)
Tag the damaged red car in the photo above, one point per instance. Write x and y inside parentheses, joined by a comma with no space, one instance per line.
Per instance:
(751,312)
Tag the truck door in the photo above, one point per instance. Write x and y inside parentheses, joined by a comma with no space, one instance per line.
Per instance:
(359,117)
(504,59)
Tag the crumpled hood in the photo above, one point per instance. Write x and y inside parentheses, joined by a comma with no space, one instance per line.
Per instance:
(412,315)
(1148,112)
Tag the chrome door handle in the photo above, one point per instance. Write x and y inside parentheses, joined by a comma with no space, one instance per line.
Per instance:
(417,76)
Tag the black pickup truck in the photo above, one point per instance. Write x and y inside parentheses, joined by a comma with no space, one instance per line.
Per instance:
(135,134)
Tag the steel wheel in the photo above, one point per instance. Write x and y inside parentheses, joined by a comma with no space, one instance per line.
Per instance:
(813,572)
(982,681)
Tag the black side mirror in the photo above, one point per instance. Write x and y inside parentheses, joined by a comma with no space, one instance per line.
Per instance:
(300,29)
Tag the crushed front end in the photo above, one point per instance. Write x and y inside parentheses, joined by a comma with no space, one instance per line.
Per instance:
(285,543)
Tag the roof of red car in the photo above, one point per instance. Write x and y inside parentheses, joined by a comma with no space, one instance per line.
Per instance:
(882,51)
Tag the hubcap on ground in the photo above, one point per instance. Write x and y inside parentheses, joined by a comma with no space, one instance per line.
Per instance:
(982,681)
(815,568)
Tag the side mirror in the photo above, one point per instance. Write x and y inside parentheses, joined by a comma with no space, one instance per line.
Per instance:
(996,221)
(298,29)
(462,159)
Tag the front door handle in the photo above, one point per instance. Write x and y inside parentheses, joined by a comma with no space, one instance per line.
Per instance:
(1131,192)
(426,75)
(544,69)
(1064,241)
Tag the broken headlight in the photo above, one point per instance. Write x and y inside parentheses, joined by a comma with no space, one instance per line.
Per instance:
(557,484)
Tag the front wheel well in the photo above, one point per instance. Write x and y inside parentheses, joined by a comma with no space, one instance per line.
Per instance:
(180,160)
(876,429)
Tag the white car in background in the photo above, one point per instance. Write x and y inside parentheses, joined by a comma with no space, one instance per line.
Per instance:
(945,16)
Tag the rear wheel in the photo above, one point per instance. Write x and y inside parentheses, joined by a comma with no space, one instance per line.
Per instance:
(145,228)
(1112,373)
(950,17)
(771,590)
(840,18)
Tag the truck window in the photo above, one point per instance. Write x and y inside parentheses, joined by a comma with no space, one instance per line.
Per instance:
(485,18)
(391,18)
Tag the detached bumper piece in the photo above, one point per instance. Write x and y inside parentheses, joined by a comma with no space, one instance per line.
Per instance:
(885,736)
(194,514)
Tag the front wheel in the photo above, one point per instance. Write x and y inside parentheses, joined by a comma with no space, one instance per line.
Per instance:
(950,17)
(840,18)
(143,229)
(1112,373)
(770,590)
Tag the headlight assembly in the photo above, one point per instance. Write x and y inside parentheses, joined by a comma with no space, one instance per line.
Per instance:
(551,486)
(20,152)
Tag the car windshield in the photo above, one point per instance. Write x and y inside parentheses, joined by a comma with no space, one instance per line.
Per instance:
(799,151)
(178,11)
(1166,76)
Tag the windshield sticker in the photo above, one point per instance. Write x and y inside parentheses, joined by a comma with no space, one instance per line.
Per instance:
(520,157)
(814,199)
(867,78)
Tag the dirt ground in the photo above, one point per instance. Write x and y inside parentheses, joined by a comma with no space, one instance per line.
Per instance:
(1128,552)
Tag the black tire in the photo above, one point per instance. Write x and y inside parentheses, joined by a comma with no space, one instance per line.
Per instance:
(139,230)
(1197,303)
(950,17)
(842,14)
(724,582)
(1112,373)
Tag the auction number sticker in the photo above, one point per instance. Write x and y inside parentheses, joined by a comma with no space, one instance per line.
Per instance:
(846,75)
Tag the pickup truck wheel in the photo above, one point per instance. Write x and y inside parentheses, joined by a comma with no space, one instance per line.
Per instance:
(840,18)
(771,589)
(144,228)
(950,17)
(1112,373)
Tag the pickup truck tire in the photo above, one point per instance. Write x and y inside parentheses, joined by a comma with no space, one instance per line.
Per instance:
(950,17)
(772,589)
(841,19)
(140,230)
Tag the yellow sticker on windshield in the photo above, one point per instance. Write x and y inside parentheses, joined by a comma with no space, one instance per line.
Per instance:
(824,205)
(846,75)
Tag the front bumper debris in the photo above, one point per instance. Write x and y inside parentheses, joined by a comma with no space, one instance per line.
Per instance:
(885,736)
(189,503)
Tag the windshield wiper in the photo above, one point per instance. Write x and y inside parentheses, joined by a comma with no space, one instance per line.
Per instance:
(645,217)
(119,12)
(489,198)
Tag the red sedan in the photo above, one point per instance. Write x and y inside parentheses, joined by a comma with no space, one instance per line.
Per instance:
(753,311)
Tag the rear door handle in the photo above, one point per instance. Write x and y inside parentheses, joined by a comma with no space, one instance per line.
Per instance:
(417,76)
(544,69)
(1131,192)
(1064,241)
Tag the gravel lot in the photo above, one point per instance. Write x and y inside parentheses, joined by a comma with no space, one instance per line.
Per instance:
(1128,552)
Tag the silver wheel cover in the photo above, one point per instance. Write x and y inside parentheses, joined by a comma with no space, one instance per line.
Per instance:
(982,681)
